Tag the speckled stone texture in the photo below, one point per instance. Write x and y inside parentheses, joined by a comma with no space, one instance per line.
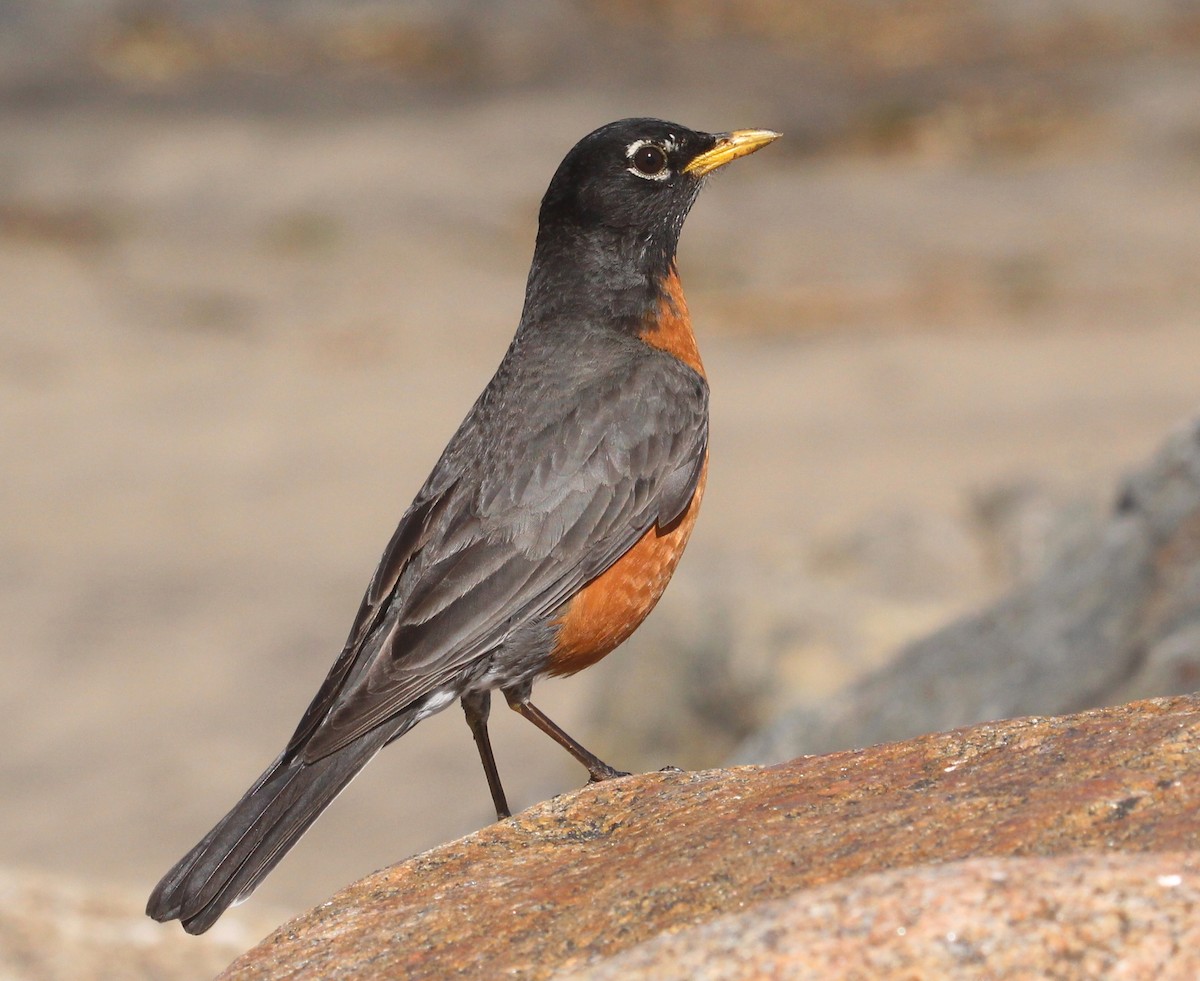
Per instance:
(571,882)
(1084,916)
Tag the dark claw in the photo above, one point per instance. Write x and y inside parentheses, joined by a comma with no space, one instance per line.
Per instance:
(609,774)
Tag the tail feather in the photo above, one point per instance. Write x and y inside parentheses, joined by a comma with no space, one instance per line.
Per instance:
(246,844)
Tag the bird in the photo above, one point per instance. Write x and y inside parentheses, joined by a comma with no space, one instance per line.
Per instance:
(551,523)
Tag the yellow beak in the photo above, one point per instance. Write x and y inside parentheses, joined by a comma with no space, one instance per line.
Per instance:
(729,147)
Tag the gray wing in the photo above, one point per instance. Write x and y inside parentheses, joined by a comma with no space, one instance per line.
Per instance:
(530,501)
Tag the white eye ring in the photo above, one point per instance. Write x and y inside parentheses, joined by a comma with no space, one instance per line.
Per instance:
(631,153)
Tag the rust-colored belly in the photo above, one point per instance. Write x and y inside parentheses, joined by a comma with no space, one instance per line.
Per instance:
(613,605)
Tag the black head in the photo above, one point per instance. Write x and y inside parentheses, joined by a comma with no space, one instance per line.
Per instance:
(615,207)
(639,174)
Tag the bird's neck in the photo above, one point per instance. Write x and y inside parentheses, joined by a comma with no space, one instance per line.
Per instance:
(600,275)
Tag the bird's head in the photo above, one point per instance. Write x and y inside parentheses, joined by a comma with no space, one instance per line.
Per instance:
(640,175)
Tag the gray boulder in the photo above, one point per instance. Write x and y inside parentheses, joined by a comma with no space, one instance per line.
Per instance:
(1115,617)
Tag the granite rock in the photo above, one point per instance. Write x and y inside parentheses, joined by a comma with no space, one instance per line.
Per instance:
(572,882)
(1079,916)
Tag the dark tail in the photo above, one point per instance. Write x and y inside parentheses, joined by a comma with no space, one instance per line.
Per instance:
(249,841)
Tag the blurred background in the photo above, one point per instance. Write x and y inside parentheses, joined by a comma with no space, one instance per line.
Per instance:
(258,258)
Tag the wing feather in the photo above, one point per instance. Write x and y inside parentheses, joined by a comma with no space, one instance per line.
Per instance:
(493,550)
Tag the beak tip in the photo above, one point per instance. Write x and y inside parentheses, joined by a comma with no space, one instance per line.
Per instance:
(729,147)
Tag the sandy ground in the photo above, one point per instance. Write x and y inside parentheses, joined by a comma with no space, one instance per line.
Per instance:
(231,346)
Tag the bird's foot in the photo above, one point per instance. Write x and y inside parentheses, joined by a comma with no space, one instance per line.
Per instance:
(598,774)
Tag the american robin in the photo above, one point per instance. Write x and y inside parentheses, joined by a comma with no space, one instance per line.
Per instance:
(549,526)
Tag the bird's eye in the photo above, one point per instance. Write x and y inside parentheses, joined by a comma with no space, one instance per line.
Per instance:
(649,160)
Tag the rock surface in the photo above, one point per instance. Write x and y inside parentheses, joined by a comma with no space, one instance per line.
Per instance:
(1082,916)
(1116,617)
(1077,916)
(569,883)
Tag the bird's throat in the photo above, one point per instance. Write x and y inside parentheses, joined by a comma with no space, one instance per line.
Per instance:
(600,275)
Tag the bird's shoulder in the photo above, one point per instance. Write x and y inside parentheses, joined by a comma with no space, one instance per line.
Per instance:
(557,396)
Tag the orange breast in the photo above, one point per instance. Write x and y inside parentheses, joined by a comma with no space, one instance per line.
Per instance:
(670,329)
(612,606)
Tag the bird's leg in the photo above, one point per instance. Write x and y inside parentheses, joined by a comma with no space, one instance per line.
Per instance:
(519,701)
(476,707)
